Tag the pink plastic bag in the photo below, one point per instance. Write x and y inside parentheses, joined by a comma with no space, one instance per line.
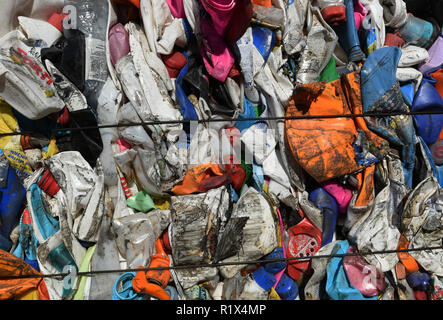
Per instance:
(221,12)
(118,42)
(342,195)
(177,8)
(217,57)
(360,13)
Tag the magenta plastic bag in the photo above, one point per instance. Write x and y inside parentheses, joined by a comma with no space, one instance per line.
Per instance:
(221,12)
(177,8)
(118,42)
(217,57)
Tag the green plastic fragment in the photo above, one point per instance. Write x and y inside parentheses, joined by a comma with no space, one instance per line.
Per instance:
(329,73)
(141,202)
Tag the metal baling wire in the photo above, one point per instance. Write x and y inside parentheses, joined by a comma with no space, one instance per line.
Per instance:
(305,117)
(220,264)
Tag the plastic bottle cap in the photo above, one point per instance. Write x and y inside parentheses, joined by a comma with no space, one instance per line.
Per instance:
(334,14)
(174,62)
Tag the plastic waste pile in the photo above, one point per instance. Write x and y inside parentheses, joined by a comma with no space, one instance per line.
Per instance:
(221,149)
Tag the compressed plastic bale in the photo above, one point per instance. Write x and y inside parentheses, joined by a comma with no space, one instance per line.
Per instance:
(320,44)
(106,254)
(28,88)
(36,29)
(157,105)
(323,147)
(358,270)
(26,248)
(95,32)
(137,234)
(193,233)
(197,217)
(378,229)
(412,56)
(421,223)
(375,21)
(273,100)
(107,108)
(338,286)
(362,200)
(162,29)
(348,36)
(419,32)
(394,13)
(68,92)
(381,93)
(329,208)
(259,233)
(82,193)
(313,286)
(194,178)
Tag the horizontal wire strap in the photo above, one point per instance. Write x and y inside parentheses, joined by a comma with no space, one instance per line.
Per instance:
(221,264)
(303,117)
